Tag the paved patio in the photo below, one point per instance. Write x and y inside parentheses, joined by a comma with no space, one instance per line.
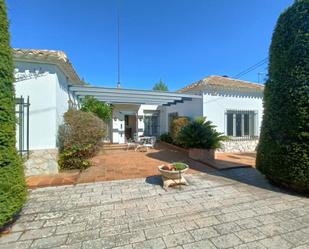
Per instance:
(223,209)
(121,164)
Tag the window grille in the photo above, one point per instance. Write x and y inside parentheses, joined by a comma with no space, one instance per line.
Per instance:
(241,124)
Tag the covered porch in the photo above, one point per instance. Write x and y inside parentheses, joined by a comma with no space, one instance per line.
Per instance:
(136,112)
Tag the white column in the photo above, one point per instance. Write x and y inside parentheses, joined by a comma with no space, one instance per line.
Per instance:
(242,125)
(234,124)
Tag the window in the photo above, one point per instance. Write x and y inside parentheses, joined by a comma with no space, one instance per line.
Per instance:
(240,123)
(151,123)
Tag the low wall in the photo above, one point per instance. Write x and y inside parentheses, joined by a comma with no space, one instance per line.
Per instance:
(42,162)
(172,146)
(239,146)
(228,146)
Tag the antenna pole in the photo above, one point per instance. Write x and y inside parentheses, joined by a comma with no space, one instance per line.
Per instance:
(118,50)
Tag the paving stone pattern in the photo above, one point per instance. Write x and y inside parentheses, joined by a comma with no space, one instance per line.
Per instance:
(231,209)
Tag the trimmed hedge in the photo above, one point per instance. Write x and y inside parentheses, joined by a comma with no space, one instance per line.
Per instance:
(283,151)
(12,182)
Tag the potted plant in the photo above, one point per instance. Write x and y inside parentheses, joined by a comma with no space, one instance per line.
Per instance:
(174,170)
(201,138)
(172,174)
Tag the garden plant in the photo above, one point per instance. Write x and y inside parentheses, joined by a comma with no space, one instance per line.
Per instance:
(80,137)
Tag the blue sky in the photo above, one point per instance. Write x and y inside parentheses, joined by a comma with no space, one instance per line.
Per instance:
(180,41)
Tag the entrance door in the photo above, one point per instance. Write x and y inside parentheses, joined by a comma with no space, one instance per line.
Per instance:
(130,126)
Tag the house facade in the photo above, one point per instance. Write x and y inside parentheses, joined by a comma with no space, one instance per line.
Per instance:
(49,80)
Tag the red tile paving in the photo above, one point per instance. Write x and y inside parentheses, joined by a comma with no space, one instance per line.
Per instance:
(120,164)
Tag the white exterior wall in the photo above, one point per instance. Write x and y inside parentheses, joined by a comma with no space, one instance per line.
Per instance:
(216,104)
(63,97)
(190,109)
(48,101)
(42,111)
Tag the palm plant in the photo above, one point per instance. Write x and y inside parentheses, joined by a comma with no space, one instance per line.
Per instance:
(200,134)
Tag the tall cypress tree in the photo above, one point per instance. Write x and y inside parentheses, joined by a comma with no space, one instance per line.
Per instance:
(283,152)
(12,182)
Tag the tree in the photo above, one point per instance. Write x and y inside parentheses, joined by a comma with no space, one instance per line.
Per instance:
(12,182)
(160,86)
(283,151)
(98,108)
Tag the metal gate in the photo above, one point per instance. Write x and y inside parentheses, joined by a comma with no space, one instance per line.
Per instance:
(22,127)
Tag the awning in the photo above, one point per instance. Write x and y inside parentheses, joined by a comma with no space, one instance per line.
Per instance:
(131,96)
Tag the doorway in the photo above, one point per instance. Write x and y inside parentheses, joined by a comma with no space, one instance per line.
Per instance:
(130,126)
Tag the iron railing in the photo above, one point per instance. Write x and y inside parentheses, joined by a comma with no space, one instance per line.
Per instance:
(22,128)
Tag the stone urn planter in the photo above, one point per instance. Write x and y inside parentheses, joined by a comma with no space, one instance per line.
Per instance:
(172,176)
(203,155)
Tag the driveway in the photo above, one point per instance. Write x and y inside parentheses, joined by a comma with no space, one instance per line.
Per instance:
(223,209)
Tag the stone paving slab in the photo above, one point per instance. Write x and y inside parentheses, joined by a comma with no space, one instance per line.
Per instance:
(231,209)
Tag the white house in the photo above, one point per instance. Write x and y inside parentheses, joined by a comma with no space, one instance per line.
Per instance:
(52,84)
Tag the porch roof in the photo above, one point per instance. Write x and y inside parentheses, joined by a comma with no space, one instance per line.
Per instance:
(131,96)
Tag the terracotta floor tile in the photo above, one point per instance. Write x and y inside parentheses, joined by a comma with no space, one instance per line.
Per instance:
(123,164)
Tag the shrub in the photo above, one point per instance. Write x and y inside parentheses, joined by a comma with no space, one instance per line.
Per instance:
(176,126)
(98,108)
(166,137)
(201,134)
(12,182)
(79,138)
(283,151)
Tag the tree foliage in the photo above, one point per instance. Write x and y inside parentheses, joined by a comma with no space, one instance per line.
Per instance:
(160,86)
(100,109)
(283,151)
(12,182)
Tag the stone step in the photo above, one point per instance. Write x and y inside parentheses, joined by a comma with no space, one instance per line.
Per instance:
(114,146)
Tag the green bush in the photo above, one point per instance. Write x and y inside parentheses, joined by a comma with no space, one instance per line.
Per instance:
(166,137)
(79,138)
(176,126)
(98,108)
(12,182)
(200,134)
(283,151)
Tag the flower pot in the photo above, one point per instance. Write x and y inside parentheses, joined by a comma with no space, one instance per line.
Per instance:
(176,174)
(202,155)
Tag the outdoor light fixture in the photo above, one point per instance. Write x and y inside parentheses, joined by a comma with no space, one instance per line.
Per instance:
(140,118)
(115,119)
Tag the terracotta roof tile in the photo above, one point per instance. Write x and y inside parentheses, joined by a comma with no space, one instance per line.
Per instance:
(51,56)
(222,82)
